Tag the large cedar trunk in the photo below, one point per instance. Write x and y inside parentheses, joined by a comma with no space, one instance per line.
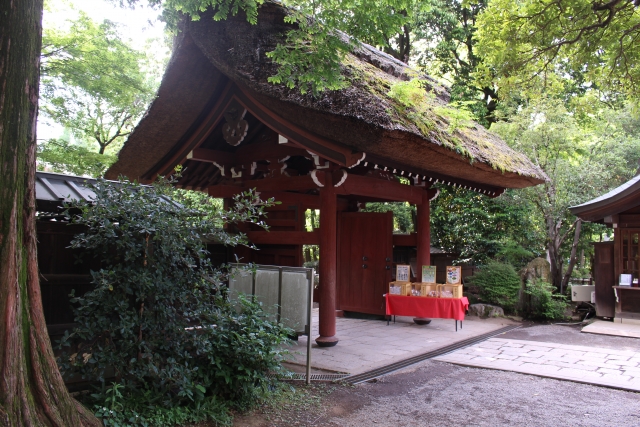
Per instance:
(32,392)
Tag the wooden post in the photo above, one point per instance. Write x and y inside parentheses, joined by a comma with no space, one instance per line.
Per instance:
(424,234)
(328,261)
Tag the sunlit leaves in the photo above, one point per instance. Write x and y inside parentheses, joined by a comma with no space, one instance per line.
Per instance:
(93,84)
(529,43)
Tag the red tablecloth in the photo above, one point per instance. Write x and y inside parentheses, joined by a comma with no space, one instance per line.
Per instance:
(438,308)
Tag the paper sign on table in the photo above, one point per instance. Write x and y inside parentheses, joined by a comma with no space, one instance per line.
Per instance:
(402,273)
(454,275)
(428,274)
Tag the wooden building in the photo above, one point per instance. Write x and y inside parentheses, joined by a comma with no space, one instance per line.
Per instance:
(61,268)
(231,130)
(620,210)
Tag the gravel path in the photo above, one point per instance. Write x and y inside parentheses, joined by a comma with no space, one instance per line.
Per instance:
(440,394)
(435,393)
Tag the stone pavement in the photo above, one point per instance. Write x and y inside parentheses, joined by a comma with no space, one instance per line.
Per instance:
(368,344)
(592,365)
(631,330)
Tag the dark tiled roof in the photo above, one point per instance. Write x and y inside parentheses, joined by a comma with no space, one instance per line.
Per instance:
(613,202)
(54,189)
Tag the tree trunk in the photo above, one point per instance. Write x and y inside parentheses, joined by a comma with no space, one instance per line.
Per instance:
(553,250)
(572,258)
(32,392)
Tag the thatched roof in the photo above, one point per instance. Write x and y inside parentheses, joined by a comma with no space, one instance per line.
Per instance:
(424,134)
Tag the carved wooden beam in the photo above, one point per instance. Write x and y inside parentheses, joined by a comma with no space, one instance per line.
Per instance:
(345,183)
(380,189)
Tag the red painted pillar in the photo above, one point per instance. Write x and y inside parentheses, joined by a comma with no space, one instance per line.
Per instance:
(328,261)
(424,234)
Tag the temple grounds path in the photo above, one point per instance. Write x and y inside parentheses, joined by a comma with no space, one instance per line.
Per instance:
(438,393)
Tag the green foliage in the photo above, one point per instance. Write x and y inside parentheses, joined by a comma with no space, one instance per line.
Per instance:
(60,155)
(421,107)
(514,254)
(528,42)
(310,61)
(94,85)
(478,227)
(414,103)
(498,284)
(409,94)
(544,303)
(311,57)
(314,51)
(158,321)
(140,410)
(584,155)
(446,33)
(403,214)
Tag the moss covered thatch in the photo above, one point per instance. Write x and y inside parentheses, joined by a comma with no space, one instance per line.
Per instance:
(387,111)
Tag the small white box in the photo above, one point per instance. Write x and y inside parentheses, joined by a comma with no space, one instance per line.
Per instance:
(582,292)
(625,279)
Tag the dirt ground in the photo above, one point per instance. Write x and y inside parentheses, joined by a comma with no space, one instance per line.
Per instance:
(440,394)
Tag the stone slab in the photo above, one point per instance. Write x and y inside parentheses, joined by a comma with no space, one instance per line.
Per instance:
(369,344)
(552,360)
(613,328)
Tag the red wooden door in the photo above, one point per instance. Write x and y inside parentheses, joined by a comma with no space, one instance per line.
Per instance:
(365,257)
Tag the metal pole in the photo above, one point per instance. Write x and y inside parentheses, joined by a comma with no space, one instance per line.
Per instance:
(310,276)
(279,293)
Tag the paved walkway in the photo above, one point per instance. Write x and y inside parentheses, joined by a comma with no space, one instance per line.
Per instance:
(368,344)
(592,365)
(631,330)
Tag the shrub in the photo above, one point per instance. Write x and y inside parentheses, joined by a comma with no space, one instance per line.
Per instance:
(158,323)
(498,284)
(514,254)
(543,302)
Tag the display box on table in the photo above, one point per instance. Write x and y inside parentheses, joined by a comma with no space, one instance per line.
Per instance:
(450,291)
(400,288)
(428,290)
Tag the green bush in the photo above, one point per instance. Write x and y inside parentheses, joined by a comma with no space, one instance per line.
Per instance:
(543,303)
(158,324)
(514,254)
(498,284)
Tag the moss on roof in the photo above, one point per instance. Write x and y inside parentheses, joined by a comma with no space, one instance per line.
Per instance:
(389,111)
(416,105)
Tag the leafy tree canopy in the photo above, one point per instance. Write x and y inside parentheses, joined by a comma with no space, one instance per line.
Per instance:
(536,44)
(480,229)
(584,156)
(311,56)
(95,85)
(444,34)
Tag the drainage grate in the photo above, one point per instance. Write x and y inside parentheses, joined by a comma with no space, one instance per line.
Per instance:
(318,377)
(379,372)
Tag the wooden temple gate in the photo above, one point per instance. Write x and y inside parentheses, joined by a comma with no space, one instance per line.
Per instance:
(353,272)
(217,115)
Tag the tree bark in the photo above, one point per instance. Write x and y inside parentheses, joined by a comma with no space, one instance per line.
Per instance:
(553,250)
(32,392)
(572,257)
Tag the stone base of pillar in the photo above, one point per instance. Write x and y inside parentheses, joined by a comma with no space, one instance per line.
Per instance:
(327,341)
